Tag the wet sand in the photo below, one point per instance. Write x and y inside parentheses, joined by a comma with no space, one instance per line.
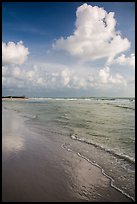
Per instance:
(36,168)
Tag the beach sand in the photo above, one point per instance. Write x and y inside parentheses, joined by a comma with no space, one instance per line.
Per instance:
(35,168)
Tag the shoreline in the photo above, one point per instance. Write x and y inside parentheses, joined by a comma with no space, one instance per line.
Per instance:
(36,168)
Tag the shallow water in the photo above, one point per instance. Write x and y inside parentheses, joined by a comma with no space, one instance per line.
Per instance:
(101,130)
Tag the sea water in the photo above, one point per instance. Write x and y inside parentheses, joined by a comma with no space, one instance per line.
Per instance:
(101,130)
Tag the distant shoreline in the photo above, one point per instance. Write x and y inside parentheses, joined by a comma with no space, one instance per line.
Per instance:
(14,97)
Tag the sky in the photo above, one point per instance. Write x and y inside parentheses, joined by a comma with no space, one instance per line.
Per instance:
(65,49)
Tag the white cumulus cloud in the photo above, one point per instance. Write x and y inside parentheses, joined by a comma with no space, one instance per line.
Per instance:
(95,36)
(106,78)
(66,76)
(39,77)
(13,53)
(123,60)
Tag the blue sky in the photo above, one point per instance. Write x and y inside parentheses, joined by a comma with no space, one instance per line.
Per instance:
(66,49)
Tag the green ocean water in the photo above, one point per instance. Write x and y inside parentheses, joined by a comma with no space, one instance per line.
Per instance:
(108,123)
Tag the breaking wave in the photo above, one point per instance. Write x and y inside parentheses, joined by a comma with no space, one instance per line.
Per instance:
(120,156)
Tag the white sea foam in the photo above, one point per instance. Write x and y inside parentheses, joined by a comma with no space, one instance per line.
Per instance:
(88,141)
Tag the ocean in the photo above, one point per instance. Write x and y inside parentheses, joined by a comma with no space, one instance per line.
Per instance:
(99,130)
